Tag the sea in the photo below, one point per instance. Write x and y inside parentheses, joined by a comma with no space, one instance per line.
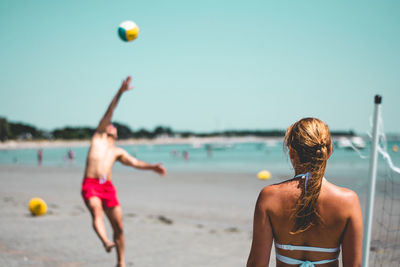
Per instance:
(237,157)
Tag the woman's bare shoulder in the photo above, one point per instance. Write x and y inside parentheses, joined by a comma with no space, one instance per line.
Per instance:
(278,188)
(339,191)
(340,196)
(279,193)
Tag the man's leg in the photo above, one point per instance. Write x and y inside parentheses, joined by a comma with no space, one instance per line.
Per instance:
(114,214)
(95,207)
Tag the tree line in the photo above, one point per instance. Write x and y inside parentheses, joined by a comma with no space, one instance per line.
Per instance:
(22,131)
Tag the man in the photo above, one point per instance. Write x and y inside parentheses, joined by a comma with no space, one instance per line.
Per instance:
(98,191)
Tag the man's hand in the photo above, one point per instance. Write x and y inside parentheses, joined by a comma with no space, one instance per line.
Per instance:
(159,168)
(105,121)
(125,86)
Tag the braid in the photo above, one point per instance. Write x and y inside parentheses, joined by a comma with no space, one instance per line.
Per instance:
(310,138)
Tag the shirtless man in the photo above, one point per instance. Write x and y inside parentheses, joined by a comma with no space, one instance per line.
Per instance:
(98,191)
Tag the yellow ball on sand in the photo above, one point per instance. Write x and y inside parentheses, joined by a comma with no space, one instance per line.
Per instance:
(264,175)
(37,206)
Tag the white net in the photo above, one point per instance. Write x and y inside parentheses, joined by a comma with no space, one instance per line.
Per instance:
(385,239)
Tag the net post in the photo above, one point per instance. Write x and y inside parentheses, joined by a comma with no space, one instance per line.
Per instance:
(372,181)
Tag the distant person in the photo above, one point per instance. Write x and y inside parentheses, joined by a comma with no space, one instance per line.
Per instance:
(209,150)
(97,189)
(186,155)
(71,155)
(307,217)
(174,153)
(40,156)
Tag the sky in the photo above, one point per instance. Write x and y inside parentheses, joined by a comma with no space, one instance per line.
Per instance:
(201,65)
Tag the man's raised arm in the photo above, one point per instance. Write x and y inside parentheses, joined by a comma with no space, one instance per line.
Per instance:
(106,120)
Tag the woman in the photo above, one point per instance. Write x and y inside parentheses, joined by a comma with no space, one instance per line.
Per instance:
(308,217)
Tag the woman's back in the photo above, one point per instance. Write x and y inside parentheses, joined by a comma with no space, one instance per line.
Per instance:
(335,207)
(308,217)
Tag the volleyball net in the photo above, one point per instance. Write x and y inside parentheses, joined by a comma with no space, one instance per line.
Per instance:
(381,242)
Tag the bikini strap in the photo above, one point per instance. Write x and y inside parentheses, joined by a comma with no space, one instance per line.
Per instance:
(291,261)
(306,248)
(306,176)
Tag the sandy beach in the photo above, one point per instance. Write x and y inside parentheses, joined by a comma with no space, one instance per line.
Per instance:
(184,219)
(180,220)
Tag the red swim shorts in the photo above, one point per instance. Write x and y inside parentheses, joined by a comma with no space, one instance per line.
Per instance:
(91,187)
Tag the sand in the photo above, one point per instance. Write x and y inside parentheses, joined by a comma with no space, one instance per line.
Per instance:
(183,219)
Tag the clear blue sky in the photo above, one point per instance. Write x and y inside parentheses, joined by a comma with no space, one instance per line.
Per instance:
(201,65)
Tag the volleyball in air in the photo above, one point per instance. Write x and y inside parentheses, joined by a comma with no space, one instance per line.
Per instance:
(37,206)
(128,31)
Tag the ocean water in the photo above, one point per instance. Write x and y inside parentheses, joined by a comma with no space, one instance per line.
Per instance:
(232,157)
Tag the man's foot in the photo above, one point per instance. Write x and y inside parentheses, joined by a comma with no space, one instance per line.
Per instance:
(108,246)
(121,264)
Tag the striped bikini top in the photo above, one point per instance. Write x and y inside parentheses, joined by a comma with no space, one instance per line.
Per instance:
(301,263)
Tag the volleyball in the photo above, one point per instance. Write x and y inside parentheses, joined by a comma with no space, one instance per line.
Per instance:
(264,175)
(37,206)
(128,31)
